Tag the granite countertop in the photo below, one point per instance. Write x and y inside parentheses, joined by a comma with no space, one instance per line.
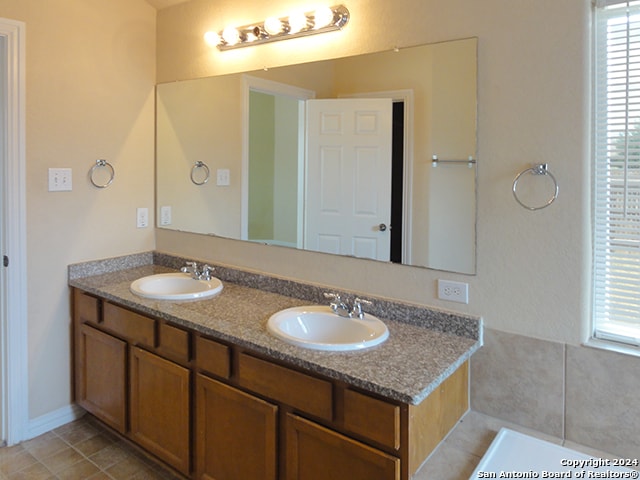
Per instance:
(407,367)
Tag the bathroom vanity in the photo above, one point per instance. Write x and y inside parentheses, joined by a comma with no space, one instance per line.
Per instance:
(204,388)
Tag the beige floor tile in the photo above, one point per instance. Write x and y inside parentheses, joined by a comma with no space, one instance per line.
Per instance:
(99,476)
(127,468)
(82,470)
(109,456)
(62,460)
(37,471)
(18,460)
(76,432)
(93,445)
(448,463)
(151,474)
(9,452)
(45,445)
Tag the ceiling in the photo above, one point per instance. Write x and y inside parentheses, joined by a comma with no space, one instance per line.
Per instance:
(160,4)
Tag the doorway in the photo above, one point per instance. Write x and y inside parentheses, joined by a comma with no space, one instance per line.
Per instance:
(13,297)
(287,108)
(397,181)
(400,225)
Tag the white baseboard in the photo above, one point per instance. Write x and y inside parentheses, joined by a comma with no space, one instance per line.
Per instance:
(57,418)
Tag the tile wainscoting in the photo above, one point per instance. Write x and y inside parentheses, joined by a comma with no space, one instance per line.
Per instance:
(579,394)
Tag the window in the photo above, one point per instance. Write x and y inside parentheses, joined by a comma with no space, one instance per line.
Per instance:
(616,226)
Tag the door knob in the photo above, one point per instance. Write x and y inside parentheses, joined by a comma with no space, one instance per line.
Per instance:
(382,227)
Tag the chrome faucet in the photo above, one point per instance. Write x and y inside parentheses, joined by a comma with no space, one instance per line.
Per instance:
(337,305)
(357,311)
(343,309)
(197,274)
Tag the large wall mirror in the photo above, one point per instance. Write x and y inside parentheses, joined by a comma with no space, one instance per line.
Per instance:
(334,156)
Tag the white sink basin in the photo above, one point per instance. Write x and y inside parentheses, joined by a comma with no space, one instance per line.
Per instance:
(175,286)
(317,327)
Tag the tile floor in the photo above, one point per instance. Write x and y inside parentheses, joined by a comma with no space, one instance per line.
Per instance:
(83,450)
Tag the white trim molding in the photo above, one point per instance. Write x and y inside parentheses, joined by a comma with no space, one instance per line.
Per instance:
(257,84)
(57,418)
(14,372)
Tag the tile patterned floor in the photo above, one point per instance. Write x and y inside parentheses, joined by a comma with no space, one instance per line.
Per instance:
(83,450)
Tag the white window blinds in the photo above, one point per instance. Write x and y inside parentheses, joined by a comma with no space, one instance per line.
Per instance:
(617,172)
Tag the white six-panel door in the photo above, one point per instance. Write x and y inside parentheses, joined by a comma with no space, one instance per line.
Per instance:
(348,177)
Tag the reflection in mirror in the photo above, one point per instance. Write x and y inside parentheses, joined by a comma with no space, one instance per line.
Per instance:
(333,156)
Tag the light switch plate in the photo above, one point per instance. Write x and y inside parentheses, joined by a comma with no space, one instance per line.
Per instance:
(142,217)
(223,177)
(165,215)
(60,180)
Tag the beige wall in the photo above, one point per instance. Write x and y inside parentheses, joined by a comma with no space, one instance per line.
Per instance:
(187,135)
(90,76)
(533,107)
(90,95)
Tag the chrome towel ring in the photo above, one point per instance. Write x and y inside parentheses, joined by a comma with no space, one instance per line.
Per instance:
(102,164)
(539,169)
(197,166)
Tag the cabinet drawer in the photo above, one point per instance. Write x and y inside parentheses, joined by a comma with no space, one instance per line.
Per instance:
(304,392)
(86,308)
(173,342)
(360,409)
(213,357)
(135,328)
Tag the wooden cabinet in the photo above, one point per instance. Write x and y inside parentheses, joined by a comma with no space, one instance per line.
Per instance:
(121,380)
(101,373)
(291,387)
(160,406)
(236,433)
(216,411)
(317,453)
(360,409)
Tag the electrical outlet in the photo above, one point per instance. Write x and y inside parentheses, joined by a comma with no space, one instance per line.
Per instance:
(165,215)
(453,291)
(60,180)
(143,217)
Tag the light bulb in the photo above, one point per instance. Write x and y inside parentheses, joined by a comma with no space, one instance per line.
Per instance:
(231,35)
(323,16)
(212,38)
(251,37)
(273,26)
(297,21)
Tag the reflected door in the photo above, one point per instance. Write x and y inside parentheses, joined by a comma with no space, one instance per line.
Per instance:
(348,177)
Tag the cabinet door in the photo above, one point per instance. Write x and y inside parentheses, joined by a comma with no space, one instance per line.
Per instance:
(317,453)
(101,375)
(236,433)
(160,408)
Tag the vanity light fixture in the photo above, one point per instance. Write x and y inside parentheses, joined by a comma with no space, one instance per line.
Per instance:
(321,20)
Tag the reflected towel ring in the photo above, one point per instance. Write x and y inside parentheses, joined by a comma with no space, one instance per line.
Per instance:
(539,169)
(99,164)
(197,165)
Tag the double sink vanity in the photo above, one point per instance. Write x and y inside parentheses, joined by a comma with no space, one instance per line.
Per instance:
(237,375)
